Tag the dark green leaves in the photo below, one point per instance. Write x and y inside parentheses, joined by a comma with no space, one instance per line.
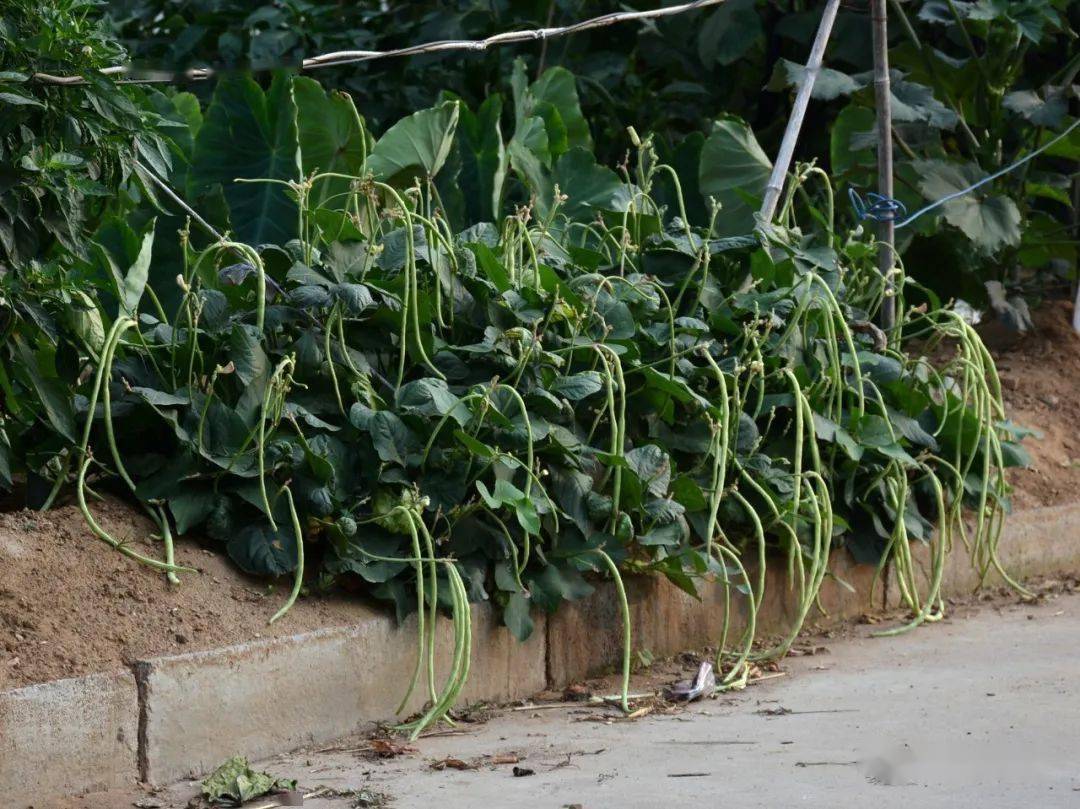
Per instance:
(990,221)
(735,170)
(251,135)
(261,551)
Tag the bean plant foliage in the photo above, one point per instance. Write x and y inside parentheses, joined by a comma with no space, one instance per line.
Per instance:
(465,362)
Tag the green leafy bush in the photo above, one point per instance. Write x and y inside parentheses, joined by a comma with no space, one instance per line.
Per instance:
(466,361)
(64,151)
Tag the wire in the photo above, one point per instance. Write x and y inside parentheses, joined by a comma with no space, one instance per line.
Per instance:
(887,209)
(336,58)
(179,201)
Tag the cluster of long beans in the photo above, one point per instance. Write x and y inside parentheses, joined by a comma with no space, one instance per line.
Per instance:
(804,523)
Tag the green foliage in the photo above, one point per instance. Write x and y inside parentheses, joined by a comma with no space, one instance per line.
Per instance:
(235,782)
(64,150)
(466,360)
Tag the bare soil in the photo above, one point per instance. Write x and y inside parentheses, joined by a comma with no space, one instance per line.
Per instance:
(70,605)
(1040,378)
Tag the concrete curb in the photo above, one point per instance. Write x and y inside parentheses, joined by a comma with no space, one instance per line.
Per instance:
(68,736)
(272,696)
(176,716)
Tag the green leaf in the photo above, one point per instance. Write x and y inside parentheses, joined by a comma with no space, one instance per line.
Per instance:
(477,448)
(652,466)
(516,616)
(355,298)
(248,134)
(484,160)
(135,279)
(828,430)
(558,87)
(261,551)
(829,84)
(431,397)
(587,185)
(579,386)
(852,120)
(247,355)
(159,398)
(191,506)
(990,221)
(392,439)
(1049,111)
(729,33)
(5,462)
(915,103)
(332,139)
(19,100)
(735,170)
(53,395)
(418,144)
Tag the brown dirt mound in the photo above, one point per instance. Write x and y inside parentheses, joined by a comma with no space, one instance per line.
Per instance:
(70,605)
(1040,378)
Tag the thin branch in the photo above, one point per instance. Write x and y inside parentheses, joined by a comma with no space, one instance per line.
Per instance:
(135,76)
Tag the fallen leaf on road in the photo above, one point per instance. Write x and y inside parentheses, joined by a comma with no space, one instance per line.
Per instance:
(388,748)
(452,764)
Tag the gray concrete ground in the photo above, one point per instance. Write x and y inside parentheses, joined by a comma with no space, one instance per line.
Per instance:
(981,710)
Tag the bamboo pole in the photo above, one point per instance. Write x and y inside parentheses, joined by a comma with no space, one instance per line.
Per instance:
(883,103)
(798,112)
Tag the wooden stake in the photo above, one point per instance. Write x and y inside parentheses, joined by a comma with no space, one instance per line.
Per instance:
(883,102)
(798,112)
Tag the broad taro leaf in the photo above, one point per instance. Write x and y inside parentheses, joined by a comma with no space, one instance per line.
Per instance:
(557,88)
(735,170)
(828,85)
(418,144)
(484,160)
(529,156)
(249,134)
(587,185)
(989,220)
(332,139)
(729,33)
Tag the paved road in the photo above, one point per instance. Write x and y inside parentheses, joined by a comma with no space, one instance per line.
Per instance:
(980,711)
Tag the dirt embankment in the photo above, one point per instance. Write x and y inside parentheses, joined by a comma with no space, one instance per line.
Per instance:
(1040,379)
(70,605)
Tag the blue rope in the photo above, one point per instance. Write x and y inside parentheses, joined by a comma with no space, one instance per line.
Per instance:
(880,208)
(876,206)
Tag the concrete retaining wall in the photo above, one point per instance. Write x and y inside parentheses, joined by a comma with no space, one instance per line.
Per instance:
(176,716)
(68,736)
(271,696)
